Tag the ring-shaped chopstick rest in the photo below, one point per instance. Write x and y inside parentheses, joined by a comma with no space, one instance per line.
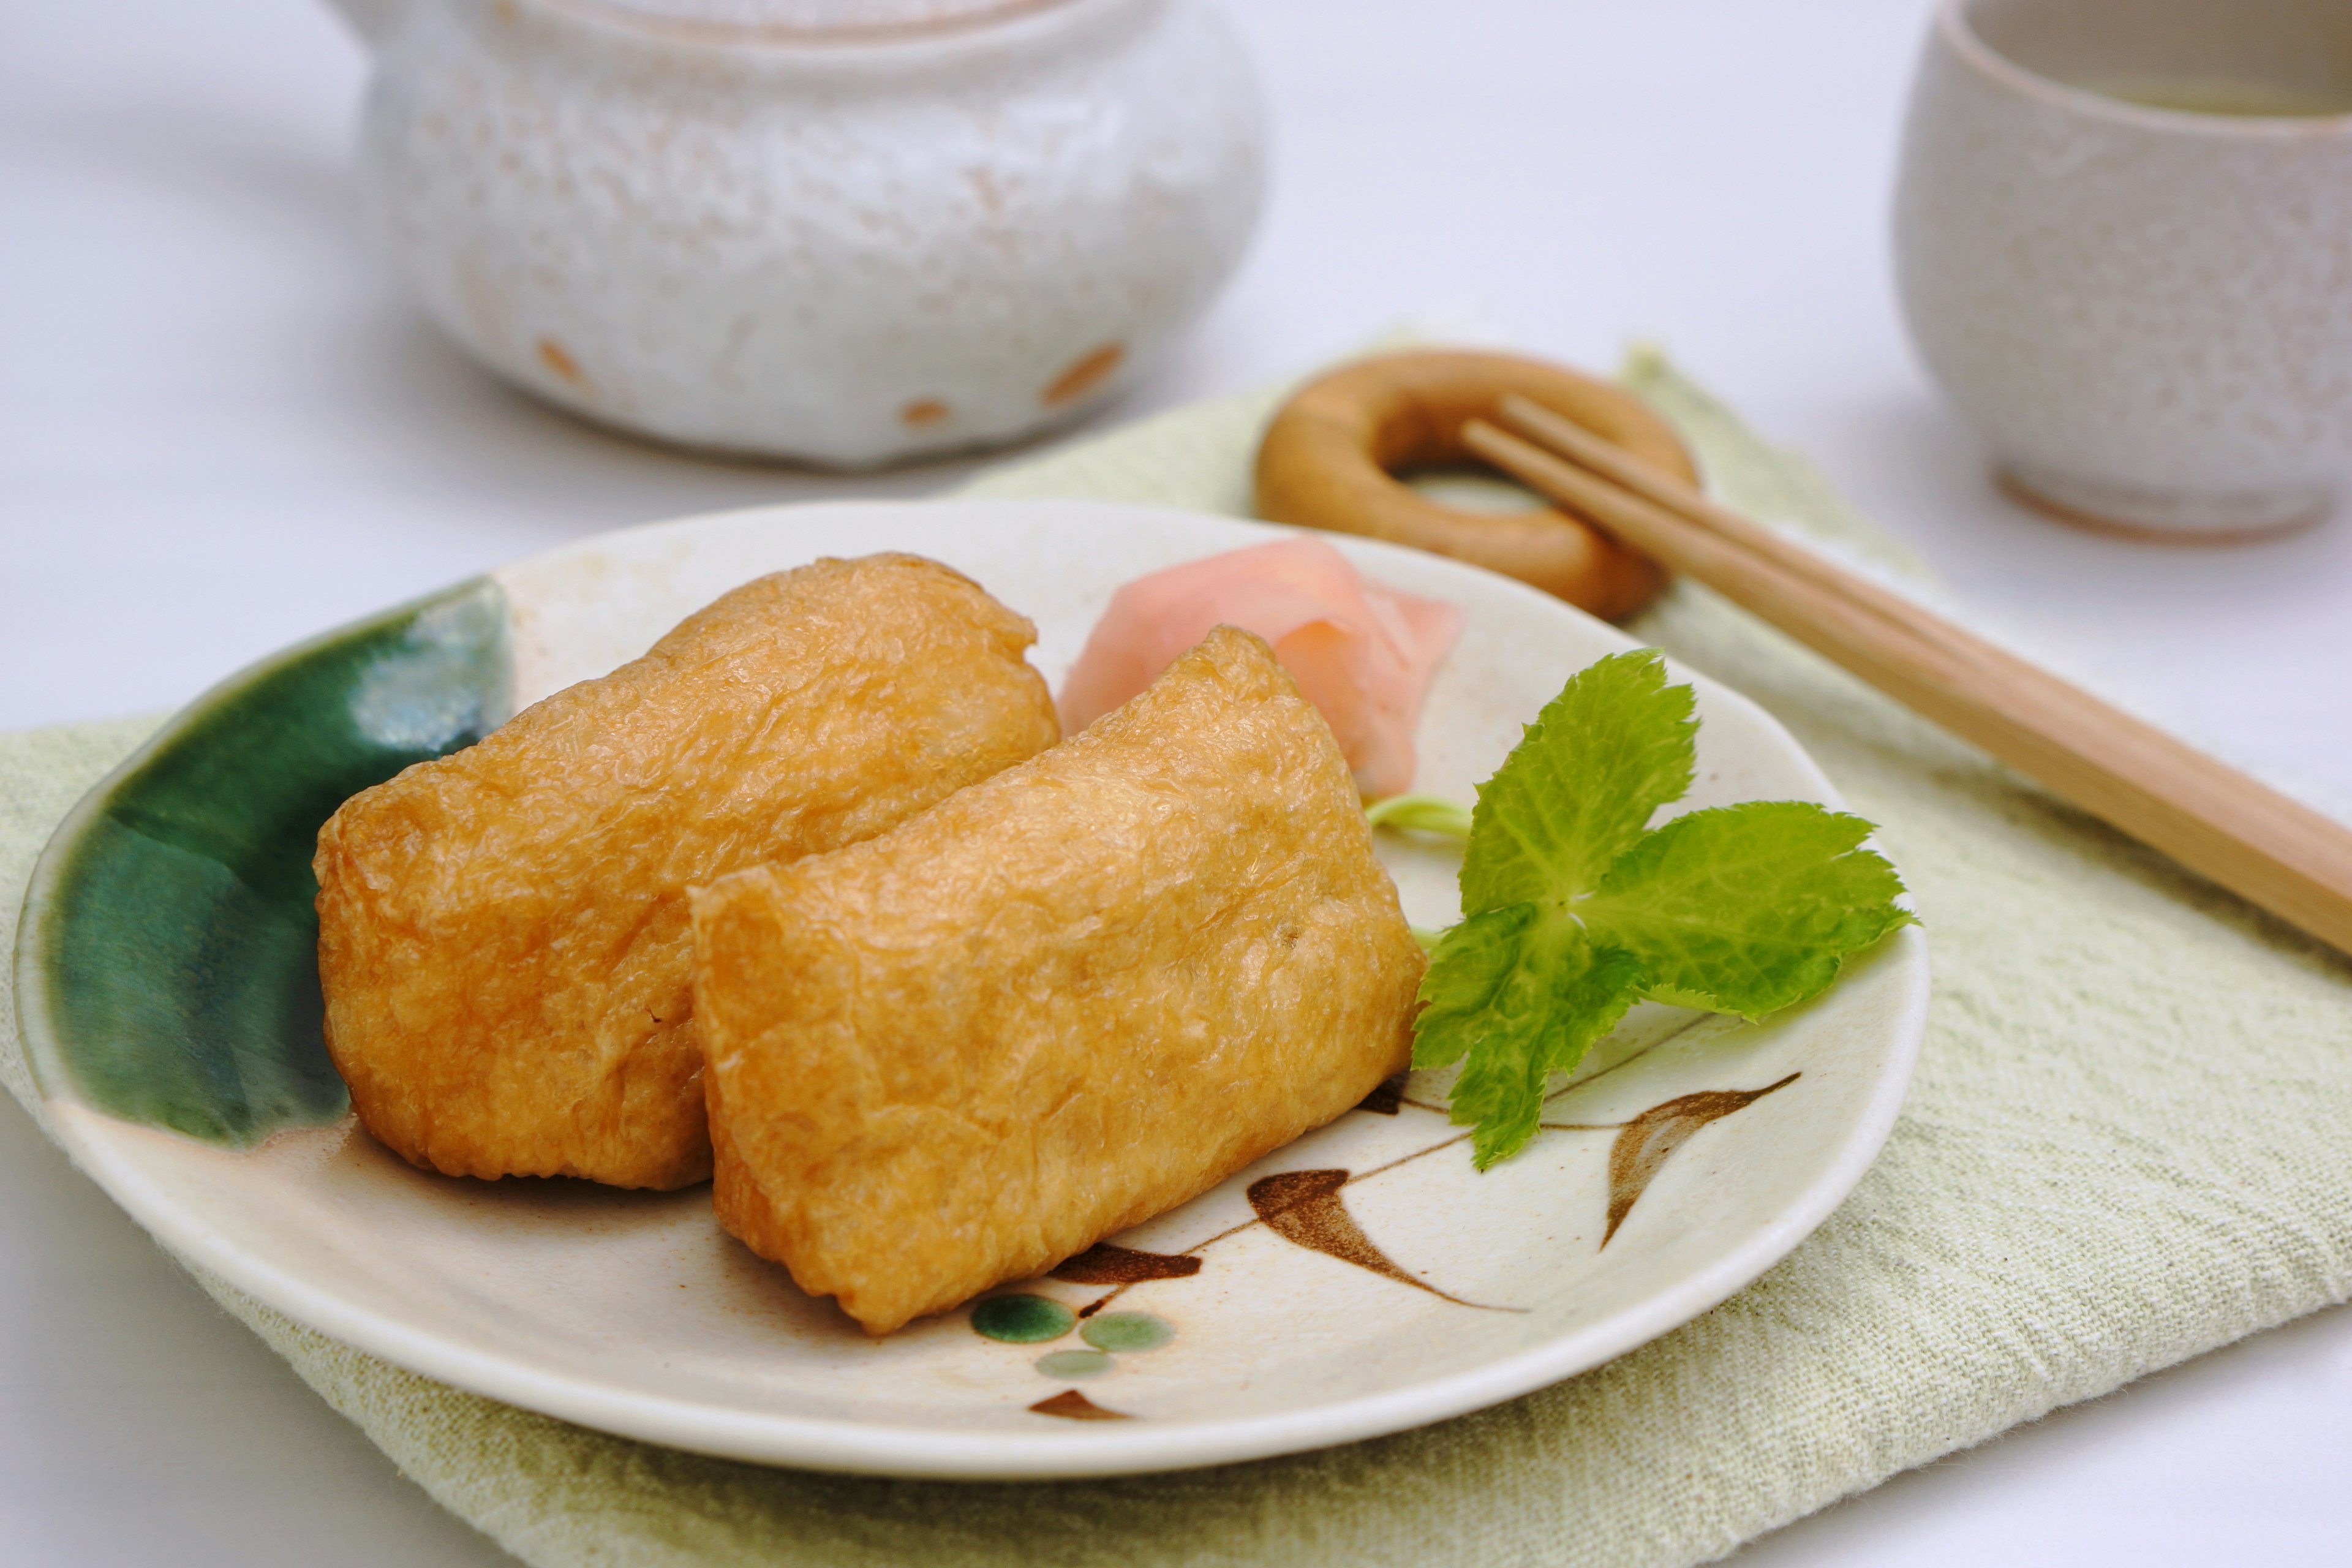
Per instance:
(1331,459)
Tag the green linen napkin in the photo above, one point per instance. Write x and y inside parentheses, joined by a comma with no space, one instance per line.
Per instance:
(2124,1147)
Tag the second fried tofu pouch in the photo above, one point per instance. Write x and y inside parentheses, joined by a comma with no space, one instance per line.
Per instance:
(1056,1003)
(503,936)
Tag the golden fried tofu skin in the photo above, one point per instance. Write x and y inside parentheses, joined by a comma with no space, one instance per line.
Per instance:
(503,935)
(1057,1003)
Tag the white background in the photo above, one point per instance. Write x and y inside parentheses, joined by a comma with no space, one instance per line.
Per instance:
(222,429)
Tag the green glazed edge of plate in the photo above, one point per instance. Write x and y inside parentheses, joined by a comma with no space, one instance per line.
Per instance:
(167,962)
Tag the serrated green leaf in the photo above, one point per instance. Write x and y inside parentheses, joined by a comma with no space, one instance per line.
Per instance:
(1747,909)
(1468,983)
(1522,992)
(1583,782)
(1573,910)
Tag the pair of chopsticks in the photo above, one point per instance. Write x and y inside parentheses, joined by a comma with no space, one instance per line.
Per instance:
(2213,819)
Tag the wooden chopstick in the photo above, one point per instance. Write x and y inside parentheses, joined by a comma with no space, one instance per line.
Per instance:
(2253,840)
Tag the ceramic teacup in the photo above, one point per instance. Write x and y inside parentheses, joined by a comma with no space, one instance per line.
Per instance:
(2124,244)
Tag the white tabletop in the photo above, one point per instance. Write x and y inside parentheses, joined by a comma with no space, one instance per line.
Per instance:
(221,429)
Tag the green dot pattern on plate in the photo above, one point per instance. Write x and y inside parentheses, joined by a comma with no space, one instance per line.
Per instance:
(1127,1332)
(1074,1364)
(1022,1319)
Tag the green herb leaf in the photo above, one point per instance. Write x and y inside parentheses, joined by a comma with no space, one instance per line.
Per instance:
(1523,992)
(1583,783)
(1573,910)
(1747,909)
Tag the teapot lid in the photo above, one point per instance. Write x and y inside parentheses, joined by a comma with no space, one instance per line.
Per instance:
(820,21)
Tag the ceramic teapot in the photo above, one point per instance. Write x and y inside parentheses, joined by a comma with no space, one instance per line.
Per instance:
(840,231)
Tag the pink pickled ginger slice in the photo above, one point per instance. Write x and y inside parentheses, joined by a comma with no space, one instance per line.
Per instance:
(1362,655)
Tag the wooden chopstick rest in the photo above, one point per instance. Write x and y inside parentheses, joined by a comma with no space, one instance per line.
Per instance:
(2268,849)
(1332,457)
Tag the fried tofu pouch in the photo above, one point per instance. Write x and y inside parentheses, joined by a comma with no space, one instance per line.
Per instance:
(1055,1005)
(503,935)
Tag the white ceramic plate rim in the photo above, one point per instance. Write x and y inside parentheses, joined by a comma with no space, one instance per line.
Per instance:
(869,1447)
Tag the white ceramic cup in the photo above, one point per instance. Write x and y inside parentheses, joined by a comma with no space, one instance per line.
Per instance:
(2124,246)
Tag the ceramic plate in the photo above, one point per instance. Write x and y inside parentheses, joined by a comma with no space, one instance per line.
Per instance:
(1363,1280)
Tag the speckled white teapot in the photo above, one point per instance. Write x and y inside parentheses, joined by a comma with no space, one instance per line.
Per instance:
(843,231)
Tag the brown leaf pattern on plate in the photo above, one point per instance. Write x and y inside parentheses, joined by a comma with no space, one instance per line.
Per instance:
(1072,1405)
(1304,1208)
(1647,1141)
(1105,1264)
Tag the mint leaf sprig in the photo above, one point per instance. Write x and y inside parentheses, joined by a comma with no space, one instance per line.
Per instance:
(1573,907)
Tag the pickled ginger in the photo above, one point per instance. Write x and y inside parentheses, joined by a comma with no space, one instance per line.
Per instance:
(1362,655)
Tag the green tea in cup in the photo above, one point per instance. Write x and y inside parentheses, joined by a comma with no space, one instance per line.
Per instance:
(2244,99)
